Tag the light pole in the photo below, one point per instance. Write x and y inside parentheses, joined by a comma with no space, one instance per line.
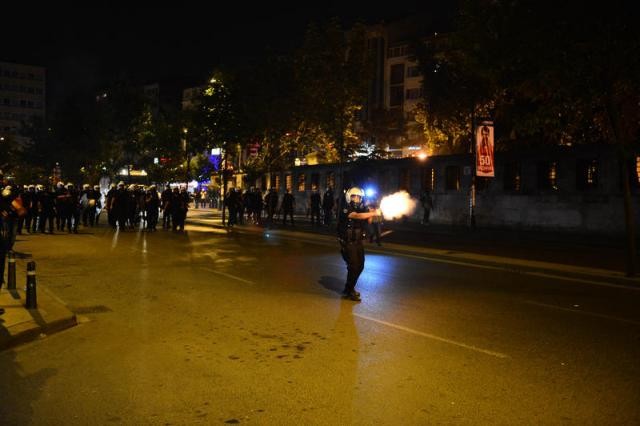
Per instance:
(186,153)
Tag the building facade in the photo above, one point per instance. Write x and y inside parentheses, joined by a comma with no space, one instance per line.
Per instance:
(397,84)
(22,96)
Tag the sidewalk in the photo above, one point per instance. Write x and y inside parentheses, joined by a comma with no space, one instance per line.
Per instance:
(583,256)
(19,324)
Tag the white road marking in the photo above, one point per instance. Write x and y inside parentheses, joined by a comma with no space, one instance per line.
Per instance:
(581,280)
(433,337)
(577,311)
(509,269)
(224,274)
(114,240)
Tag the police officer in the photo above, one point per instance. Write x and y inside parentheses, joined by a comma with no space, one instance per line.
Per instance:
(152,206)
(94,204)
(46,209)
(109,203)
(288,207)
(327,205)
(165,201)
(8,219)
(271,202)
(352,225)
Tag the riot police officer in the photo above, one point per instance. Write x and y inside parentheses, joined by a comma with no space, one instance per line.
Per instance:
(352,225)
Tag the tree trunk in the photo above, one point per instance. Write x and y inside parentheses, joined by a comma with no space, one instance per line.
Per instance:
(629,222)
(613,116)
(224,186)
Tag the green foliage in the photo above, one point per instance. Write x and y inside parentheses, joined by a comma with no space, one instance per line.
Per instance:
(561,74)
(333,73)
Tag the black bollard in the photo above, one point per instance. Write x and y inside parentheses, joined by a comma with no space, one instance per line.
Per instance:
(11,271)
(32,300)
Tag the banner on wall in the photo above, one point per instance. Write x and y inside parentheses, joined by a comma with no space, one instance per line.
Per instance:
(484,149)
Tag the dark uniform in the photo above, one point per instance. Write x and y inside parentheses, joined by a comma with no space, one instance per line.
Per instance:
(46,209)
(314,205)
(8,219)
(327,206)
(152,206)
(351,232)
(271,202)
(288,206)
(165,199)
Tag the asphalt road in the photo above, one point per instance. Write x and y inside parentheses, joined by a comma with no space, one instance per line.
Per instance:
(209,327)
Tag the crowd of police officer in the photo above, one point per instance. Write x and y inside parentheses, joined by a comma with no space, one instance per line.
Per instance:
(34,208)
(251,206)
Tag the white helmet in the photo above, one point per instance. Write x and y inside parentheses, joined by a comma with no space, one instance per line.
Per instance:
(6,191)
(69,185)
(353,191)
(40,187)
(96,187)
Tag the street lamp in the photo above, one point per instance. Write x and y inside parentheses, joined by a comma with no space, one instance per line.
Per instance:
(186,153)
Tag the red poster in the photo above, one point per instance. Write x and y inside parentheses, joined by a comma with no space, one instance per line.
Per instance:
(484,149)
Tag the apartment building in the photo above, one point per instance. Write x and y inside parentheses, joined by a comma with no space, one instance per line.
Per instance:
(22,96)
(397,82)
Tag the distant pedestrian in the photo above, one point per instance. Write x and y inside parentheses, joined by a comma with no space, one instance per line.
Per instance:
(427,204)
(327,206)
(315,202)
(288,207)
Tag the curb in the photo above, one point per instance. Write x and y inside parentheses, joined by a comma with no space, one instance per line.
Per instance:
(51,316)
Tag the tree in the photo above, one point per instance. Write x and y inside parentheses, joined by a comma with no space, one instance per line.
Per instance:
(266,105)
(566,74)
(333,73)
(456,89)
(214,121)
(124,122)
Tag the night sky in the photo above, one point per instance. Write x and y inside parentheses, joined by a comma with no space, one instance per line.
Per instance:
(84,48)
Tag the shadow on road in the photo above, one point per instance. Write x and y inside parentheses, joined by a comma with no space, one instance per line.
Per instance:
(19,390)
(334,284)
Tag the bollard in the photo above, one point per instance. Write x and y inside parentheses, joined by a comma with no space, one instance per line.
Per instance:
(11,271)
(32,300)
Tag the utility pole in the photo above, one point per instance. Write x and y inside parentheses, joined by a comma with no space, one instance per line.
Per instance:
(224,183)
(186,153)
(472,190)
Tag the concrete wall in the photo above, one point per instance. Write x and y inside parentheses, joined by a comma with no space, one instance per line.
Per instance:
(598,209)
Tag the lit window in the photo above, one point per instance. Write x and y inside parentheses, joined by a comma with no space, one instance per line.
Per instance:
(547,175)
(452,178)
(512,177)
(586,174)
(429,179)
(331,180)
(413,71)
